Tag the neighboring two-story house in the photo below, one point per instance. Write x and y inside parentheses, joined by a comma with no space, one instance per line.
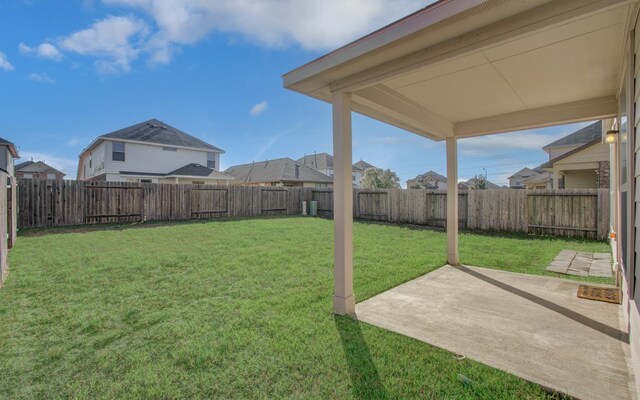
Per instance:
(278,172)
(8,153)
(323,162)
(151,152)
(517,180)
(37,170)
(580,160)
(429,180)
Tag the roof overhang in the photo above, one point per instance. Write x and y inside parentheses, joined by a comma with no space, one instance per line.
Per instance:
(462,68)
(218,177)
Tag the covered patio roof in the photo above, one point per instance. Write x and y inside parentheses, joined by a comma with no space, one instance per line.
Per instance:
(461,68)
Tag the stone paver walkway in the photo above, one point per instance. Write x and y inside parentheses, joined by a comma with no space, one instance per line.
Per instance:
(583,264)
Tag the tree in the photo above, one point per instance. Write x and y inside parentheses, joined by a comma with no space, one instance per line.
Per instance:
(377,178)
(479,181)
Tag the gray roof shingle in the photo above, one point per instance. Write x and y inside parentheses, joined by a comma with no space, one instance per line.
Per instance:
(21,165)
(193,169)
(155,131)
(278,170)
(363,165)
(317,161)
(579,137)
(12,147)
(36,167)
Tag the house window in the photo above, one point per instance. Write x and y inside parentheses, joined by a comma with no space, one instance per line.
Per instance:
(211,160)
(197,182)
(90,160)
(28,176)
(169,149)
(145,180)
(118,151)
(51,176)
(353,177)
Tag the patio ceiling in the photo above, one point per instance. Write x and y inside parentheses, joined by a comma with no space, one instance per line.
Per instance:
(469,68)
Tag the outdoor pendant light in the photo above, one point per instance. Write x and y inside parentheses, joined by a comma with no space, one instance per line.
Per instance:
(611,137)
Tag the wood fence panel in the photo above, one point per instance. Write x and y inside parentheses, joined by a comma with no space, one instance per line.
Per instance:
(580,213)
(571,213)
(114,202)
(324,197)
(373,204)
(497,210)
(4,248)
(273,201)
(207,201)
(12,212)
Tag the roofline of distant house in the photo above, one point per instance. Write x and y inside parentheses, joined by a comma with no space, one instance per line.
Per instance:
(97,141)
(264,161)
(169,175)
(40,172)
(291,180)
(549,164)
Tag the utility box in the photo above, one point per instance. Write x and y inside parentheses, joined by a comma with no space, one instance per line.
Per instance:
(313,210)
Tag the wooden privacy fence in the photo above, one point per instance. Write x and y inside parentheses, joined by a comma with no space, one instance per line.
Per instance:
(62,203)
(571,213)
(574,213)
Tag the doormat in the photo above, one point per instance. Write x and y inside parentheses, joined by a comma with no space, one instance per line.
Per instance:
(606,294)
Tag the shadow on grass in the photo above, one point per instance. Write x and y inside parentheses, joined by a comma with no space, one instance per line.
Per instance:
(362,370)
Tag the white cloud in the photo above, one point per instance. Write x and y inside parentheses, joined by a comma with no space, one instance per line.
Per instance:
(66,165)
(73,142)
(309,24)
(5,64)
(42,78)
(259,108)
(44,50)
(112,40)
(312,25)
(507,142)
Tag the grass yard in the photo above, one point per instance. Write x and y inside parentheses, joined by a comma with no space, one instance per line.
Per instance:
(235,309)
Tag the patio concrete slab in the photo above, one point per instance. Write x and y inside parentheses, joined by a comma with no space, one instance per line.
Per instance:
(531,326)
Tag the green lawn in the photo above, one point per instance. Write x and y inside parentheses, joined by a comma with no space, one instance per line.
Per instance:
(234,309)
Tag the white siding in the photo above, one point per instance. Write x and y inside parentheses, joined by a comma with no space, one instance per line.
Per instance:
(6,160)
(153,159)
(93,162)
(596,153)
(555,152)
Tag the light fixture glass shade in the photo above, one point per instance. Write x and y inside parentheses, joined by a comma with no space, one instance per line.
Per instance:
(610,137)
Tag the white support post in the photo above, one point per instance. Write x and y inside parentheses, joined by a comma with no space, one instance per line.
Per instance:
(556,178)
(453,257)
(343,299)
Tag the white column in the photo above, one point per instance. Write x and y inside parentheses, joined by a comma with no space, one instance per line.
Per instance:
(343,299)
(556,178)
(453,257)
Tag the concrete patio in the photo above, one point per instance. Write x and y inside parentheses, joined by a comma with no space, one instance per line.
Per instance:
(531,326)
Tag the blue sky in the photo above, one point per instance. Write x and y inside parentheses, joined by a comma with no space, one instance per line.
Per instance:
(73,70)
